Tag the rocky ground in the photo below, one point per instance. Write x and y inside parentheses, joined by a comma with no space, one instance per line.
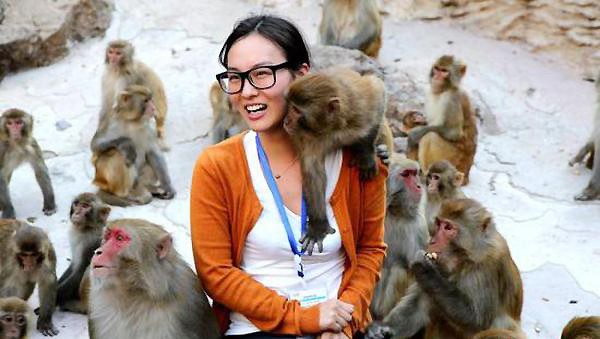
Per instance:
(536,110)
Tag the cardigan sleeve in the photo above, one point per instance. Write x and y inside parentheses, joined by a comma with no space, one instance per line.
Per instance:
(370,251)
(211,207)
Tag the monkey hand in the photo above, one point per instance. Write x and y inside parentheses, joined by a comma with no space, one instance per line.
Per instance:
(49,208)
(377,330)
(415,135)
(167,193)
(383,153)
(46,327)
(367,166)
(128,149)
(314,235)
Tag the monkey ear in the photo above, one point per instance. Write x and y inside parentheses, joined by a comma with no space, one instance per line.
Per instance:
(125,96)
(462,69)
(486,223)
(164,246)
(334,105)
(103,213)
(458,179)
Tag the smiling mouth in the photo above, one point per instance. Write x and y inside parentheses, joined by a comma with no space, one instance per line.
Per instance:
(255,108)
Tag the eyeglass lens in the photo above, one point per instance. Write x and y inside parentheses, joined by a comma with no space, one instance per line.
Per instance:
(260,78)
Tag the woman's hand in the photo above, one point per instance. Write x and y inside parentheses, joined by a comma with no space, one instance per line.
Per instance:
(332,335)
(335,315)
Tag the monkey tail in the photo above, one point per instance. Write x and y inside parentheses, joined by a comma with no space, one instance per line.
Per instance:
(582,327)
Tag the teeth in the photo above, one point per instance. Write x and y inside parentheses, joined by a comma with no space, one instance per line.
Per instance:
(256,107)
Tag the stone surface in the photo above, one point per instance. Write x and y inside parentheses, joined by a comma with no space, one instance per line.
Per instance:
(569,28)
(35,33)
(535,108)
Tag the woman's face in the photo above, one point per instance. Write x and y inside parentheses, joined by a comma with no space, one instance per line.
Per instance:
(262,109)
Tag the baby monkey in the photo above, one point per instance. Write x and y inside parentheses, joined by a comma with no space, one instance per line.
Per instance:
(328,110)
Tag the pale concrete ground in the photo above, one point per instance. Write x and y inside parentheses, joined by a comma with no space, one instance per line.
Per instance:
(520,173)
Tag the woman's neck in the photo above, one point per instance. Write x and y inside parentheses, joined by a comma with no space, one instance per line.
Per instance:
(277,145)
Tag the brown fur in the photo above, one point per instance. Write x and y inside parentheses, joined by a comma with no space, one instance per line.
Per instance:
(16,308)
(448,186)
(18,238)
(123,181)
(16,151)
(353,24)
(326,111)
(582,328)
(226,120)
(132,72)
(471,285)
(498,334)
(451,133)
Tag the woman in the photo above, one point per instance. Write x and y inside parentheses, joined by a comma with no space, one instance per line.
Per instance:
(246,214)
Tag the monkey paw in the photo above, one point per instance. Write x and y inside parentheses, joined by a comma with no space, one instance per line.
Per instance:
(310,239)
(368,169)
(589,193)
(47,328)
(383,153)
(165,195)
(49,210)
(379,331)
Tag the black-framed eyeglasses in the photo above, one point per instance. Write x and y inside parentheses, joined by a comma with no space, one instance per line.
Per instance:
(261,77)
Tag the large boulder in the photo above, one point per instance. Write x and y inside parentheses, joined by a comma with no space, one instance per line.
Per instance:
(36,33)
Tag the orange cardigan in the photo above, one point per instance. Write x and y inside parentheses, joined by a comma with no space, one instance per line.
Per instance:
(224,208)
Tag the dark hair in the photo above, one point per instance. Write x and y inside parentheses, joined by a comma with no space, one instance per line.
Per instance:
(280,31)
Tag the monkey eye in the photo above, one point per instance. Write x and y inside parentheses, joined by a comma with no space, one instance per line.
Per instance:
(7,318)
(435,176)
(20,320)
(119,237)
(447,226)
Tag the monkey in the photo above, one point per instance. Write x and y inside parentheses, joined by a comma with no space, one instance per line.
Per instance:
(466,282)
(411,120)
(451,131)
(126,154)
(353,24)
(88,216)
(498,334)
(582,328)
(122,70)
(17,145)
(592,190)
(405,234)
(327,110)
(16,319)
(226,121)
(142,288)
(27,258)
(443,182)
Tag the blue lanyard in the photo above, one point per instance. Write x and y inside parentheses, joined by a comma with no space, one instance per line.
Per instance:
(264,163)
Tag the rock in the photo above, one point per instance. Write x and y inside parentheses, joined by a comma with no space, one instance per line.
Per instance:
(38,32)
(62,125)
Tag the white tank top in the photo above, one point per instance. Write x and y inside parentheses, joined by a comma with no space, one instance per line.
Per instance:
(267,256)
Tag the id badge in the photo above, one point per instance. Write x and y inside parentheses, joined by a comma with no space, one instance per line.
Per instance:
(310,297)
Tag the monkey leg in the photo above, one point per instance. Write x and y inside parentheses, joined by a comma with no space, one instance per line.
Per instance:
(585,149)
(372,49)
(314,183)
(592,191)
(363,155)
(8,211)
(112,174)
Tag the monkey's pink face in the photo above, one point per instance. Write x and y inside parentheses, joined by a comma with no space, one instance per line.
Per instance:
(439,76)
(106,258)
(13,325)
(445,231)
(15,128)
(262,109)
(29,260)
(114,55)
(412,183)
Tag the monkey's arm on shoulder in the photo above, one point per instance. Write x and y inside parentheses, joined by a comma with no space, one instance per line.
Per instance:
(455,304)
(452,129)
(213,245)
(370,251)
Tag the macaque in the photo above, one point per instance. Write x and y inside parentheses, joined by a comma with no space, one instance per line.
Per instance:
(142,288)
(444,182)
(27,258)
(592,191)
(326,111)
(582,328)
(88,216)
(16,318)
(466,283)
(130,167)
(411,120)
(451,131)
(226,120)
(353,24)
(405,234)
(121,71)
(17,145)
